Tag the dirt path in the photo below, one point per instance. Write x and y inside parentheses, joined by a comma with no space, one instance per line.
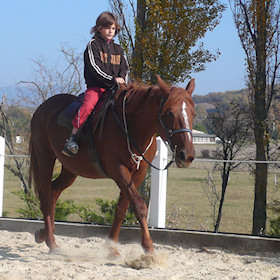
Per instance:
(86,258)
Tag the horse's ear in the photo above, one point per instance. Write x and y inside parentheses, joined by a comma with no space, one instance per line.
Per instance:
(190,87)
(163,86)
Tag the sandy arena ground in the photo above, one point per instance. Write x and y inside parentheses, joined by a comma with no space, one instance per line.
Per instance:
(86,259)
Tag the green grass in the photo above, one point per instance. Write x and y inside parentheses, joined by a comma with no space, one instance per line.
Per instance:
(189,198)
(10,201)
(187,203)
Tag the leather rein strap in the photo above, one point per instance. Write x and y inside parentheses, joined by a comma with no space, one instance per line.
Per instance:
(170,133)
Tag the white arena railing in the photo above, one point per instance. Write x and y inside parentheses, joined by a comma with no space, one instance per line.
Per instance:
(157,204)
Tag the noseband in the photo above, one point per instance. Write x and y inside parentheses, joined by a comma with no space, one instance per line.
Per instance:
(170,132)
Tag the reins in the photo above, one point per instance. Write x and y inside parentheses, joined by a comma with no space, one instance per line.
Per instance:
(141,156)
(138,158)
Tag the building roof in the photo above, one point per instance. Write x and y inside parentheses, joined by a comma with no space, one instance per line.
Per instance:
(198,133)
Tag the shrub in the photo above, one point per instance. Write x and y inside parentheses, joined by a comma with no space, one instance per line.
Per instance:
(64,209)
(5,214)
(205,153)
(274,227)
(32,207)
(275,223)
(107,209)
(217,154)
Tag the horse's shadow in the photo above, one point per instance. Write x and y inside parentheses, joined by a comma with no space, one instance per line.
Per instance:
(5,253)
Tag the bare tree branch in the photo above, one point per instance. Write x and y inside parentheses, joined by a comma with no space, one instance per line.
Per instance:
(50,80)
(6,126)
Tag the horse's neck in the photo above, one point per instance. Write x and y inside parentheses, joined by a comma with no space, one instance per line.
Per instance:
(145,116)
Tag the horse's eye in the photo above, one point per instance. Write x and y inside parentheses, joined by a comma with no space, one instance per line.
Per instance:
(168,118)
(169,114)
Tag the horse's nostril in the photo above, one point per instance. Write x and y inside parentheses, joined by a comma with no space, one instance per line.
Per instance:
(182,156)
(190,158)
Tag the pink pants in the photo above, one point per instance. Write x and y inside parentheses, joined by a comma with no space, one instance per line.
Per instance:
(91,98)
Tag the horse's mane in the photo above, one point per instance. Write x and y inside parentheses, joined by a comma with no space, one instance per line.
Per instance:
(135,91)
(137,94)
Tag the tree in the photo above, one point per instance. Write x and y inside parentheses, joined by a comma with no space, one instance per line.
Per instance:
(12,121)
(162,37)
(62,77)
(231,124)
(257,23)
(201,115)
(165,37)
(48,81)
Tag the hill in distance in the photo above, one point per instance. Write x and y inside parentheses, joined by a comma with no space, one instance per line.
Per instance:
(204,101)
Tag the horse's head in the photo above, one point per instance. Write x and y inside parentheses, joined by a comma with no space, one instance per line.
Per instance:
(176,121)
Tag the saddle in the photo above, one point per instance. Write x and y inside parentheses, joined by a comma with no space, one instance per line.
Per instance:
(95,120)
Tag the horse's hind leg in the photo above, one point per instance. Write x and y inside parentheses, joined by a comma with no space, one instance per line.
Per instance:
(121,209)
(64,180)
(43,187)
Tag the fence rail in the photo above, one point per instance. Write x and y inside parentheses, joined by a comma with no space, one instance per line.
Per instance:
(157,206)
(195,160)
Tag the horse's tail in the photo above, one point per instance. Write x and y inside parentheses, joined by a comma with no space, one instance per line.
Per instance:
(33,167)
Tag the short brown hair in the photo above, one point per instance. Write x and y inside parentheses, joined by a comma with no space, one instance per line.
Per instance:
(105,19)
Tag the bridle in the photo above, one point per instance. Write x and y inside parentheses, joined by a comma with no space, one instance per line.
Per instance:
(169,132)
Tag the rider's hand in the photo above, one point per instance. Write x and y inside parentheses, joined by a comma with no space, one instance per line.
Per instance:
(120,80)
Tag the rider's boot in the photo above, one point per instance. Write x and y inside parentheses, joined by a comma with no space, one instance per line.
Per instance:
(71,147)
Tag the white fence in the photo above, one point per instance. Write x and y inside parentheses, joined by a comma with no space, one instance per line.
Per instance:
(157,205)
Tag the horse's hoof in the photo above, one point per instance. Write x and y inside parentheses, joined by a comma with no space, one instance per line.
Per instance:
(40,236)
(112,248)
(148,249)
(55,251)
(114,253)
(150,252)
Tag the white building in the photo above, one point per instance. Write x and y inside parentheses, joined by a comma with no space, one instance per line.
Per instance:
(200,137)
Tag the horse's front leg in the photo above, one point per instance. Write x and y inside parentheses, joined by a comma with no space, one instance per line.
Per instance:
(141,212)
(128,188)
(121,210)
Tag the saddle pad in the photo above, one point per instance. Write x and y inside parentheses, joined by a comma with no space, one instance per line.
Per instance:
(66,117)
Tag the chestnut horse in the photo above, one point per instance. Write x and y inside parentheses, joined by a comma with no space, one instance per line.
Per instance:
(148,110)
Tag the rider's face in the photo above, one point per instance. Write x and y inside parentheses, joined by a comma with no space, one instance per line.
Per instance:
(108,33)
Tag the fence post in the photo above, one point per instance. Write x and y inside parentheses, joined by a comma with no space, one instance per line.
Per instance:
(2,160)
(157,205)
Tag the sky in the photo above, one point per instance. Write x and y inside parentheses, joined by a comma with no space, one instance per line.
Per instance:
(31,29)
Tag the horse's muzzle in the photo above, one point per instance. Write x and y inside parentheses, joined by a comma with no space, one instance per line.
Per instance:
(184,157)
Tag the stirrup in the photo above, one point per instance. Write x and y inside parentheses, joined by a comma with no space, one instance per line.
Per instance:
(71,148)
(68,153)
